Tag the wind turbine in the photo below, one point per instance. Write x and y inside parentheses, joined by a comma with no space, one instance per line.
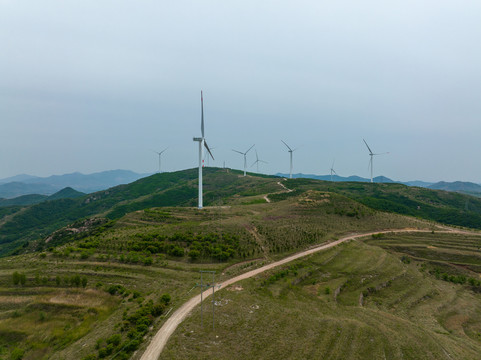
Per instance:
(202,143)
(371,154)
(208,157)
(290,153)
(160,154)
(257,162)
(332,169)
(245,157)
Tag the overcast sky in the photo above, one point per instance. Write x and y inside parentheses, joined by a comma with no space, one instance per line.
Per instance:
(95,85)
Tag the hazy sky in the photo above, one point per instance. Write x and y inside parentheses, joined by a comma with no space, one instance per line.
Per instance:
(95,85)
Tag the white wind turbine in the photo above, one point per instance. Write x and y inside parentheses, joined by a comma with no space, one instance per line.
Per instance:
(257,162)
(371,154)
(245,157)
(160,155)
(202,143)
(332,169)
(208,157)
(290,153)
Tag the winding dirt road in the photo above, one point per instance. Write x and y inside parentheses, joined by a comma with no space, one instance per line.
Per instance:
(160,339)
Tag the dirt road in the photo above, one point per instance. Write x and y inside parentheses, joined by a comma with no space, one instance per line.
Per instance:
(160,339)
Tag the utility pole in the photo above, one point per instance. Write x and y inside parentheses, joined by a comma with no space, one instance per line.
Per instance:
(206,286)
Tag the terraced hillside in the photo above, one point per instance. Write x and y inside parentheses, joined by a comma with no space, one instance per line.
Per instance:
(101,293)
(355,301)
(99,287)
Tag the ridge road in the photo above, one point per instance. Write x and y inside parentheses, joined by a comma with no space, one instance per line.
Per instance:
(158,342)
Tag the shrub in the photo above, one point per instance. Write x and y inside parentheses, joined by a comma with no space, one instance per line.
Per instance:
(132,345)
(16,278)
(17,354)
(194,254)
(90,357)
(114,339)
(165,299)
(75,280)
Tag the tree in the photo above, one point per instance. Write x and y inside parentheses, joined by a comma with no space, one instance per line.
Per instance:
(16,278)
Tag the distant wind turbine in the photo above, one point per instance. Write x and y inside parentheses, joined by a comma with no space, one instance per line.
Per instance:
(332,169)
(290,153)
(245,157)
(371,154)
(160,155)
(257,162)
(202,143)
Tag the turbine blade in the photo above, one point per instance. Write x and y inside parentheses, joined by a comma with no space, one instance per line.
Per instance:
(207,147)
(250,149)
(368,147)
(262,161)
(257,157)
(286,145)
(202,112)
(237,151)
(255,162)
(163,150)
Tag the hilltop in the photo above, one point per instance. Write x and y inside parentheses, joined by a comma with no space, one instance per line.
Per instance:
(20,225)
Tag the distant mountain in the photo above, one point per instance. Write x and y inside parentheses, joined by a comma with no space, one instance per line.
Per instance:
(14,189)
(23,200)
(418,183)
(378,179)
(67,193)
(49,185)
(458,186)
(18,178)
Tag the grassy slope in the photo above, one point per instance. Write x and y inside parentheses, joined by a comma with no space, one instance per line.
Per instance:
(180,189)
(437,205)
(267,231)
(59,319)
(404,314)
(168,189)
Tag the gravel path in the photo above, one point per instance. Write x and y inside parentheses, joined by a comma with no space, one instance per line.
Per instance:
(160,339)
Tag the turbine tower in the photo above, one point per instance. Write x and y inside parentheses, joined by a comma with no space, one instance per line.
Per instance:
(371,154)
(202,143)
(257,162)
(245,157)
(290,153)
(160,154)
(332,169)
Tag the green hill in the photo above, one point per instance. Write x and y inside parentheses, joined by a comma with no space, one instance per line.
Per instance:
(102,272)
(168,189)
(223,187)
(445,207)
(66,193)
(23,200)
